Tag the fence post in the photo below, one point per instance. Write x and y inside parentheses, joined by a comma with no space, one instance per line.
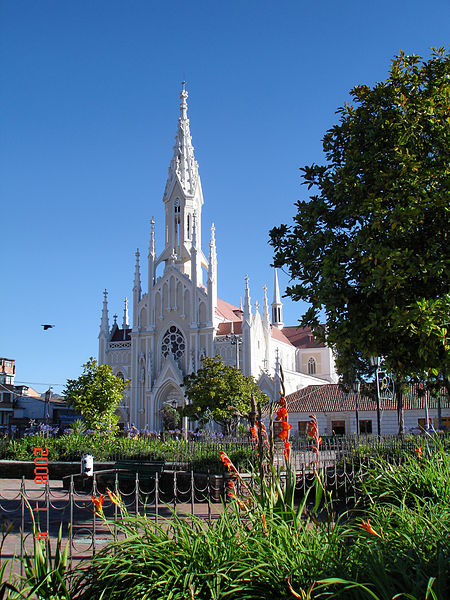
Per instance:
(192,492)
(156,495)
(70,532)
(22,522)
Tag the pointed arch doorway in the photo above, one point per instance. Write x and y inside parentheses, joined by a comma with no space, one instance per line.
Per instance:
(169,404)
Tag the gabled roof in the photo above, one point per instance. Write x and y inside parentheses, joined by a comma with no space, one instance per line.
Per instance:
(278,334)
(121,335)
(332,398)
(227,311)
(301,337)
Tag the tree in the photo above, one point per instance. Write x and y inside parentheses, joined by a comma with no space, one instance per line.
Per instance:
(220,393)
(370,247)
(96,394)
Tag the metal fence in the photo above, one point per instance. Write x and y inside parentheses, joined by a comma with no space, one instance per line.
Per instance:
(184,493)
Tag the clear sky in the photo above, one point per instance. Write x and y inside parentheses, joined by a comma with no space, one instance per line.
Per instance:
(89,106)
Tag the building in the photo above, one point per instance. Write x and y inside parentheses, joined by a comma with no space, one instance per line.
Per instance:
(21,403)
(336,414)
(180,319)
(7,390)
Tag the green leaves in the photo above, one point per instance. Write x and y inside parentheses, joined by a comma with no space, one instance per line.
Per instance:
(96,395)
(221,393)
(372,242)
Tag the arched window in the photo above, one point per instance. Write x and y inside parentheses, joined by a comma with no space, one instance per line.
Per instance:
(173,343)
(312,366)
(120,376)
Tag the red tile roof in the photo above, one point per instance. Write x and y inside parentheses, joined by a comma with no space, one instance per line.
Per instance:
(301,337)
(225,328)
(278,334)
(332,398)
(227,311)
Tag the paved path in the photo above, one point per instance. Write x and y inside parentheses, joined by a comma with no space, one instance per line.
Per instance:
(82,517)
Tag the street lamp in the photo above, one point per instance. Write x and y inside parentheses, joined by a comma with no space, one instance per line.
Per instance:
(356,388)
(235,340)
(375,361)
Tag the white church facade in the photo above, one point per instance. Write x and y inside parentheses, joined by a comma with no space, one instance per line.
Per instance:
(180,319)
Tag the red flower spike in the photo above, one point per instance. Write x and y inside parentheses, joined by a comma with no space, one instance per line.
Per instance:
(368,527)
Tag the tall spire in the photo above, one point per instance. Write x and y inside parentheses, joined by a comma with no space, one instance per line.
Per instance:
(247,305)
(125,322)
(265,317)
(212,247)
(212,277)
(151,256)
(183,166)
(104,324)
(151,246)
(137,276)
(277,306)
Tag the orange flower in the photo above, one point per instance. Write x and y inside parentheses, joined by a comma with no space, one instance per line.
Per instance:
(419,452)
(282,413)
(263,519)
(368,527)
(283,435)
(115,499)
(98,503)
(226,461)
(253,431)
(285,426)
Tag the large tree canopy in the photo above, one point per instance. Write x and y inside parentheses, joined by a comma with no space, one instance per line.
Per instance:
(220,393)
(96,394)
(370,248)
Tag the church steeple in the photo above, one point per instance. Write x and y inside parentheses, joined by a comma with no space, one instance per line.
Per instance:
(103,336)
(277,306)
(212,276)
(125,322)
(182,197)
(104,324)
(137,290)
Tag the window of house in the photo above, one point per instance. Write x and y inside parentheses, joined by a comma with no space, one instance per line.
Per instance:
(421,423)
(302,427)
(446,423)
(312,366)
(338,427)
(365,426)
(6,397)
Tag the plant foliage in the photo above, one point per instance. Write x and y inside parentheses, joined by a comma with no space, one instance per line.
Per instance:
(370,247)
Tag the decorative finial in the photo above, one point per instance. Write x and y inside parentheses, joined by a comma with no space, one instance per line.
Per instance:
(115,319)
(183,104)
(125,322)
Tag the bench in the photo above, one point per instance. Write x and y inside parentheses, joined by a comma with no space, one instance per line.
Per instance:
(127,469)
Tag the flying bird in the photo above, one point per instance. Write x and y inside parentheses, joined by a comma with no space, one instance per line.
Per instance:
(47,327)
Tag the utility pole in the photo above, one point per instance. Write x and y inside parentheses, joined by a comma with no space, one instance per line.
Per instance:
(48,396)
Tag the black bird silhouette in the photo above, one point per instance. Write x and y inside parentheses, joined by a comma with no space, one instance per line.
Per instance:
(47,327)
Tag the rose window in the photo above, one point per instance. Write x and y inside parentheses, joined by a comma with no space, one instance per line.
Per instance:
(173,343)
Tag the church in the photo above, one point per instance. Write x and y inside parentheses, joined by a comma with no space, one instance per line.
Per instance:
(180,319)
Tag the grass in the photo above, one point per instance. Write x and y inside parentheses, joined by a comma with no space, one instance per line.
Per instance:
(394,544)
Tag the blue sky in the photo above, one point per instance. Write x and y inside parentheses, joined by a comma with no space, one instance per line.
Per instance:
(89,106)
